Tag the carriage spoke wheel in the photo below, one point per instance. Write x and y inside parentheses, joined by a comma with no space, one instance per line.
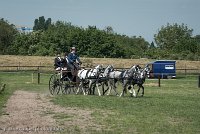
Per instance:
(65,86)
(54,84)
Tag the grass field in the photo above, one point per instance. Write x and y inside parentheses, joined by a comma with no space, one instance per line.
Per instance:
(172,108)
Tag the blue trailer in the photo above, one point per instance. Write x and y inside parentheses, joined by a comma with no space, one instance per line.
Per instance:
(163,69)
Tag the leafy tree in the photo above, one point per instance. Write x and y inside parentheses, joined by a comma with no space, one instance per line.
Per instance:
(152,45)
(170,36)
(7,35)
(41,23)
(47,23)
(109,30)
(36,24)
(197,39)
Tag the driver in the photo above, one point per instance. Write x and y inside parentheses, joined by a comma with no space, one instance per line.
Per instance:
(73,60)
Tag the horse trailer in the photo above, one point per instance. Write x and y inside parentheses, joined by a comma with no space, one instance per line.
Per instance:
(163,69)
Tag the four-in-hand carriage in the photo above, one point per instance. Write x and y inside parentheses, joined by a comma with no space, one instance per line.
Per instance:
(63,80)
(86,80)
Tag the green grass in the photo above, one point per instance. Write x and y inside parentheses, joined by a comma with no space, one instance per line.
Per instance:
(172,108)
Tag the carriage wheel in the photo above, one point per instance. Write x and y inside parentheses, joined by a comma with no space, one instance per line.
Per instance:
(66,86)
(54,84)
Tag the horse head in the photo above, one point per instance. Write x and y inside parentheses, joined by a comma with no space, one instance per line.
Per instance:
(107,70)
(147,70)
(144,72)
(98,69)
(133,70)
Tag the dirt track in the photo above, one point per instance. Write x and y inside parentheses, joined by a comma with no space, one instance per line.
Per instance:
(28,112)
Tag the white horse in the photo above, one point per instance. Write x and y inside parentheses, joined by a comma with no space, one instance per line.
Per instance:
(88,78)
(125,77)
(104,77)
(114,76)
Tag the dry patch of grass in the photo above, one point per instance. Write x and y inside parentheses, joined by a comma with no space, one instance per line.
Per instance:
(88,62)
(25,60)
(151,84)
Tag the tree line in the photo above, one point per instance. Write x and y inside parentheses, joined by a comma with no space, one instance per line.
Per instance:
(172,41)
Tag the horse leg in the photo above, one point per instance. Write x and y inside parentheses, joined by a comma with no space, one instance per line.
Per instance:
(122,93)
(133,92)
(138,90)
(109,87)
(97,85)
(93,90)
(142,91)
(129,89)
(83,90)
(124,89)
(80,86)
(114,87)
(105,83)
(90,87)
(103,90)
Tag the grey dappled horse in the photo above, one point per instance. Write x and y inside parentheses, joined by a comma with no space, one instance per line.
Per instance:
(125,77)
(139,79)
(102,79)
(87,78)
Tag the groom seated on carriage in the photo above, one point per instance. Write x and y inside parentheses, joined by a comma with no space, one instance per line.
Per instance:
(58,62)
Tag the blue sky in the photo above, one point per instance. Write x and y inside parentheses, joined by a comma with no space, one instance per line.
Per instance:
(129,17)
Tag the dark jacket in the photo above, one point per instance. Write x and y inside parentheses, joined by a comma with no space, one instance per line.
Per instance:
(58,62)
(72,57)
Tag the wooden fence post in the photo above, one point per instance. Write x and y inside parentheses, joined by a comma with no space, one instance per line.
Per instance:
(158,80)
(18,67)
(32,77)
(38,70)
(185,70)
